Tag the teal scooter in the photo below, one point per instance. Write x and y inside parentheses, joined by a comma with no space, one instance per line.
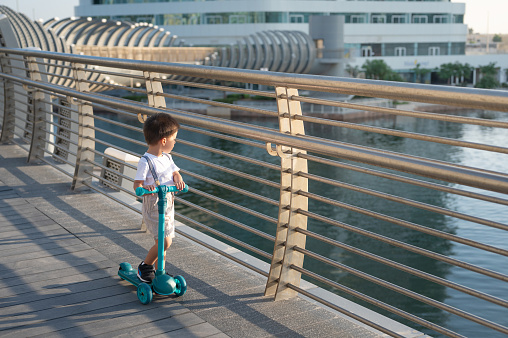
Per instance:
(162,284)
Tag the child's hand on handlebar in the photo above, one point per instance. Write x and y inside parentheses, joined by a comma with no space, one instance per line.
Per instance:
(180,185)
(150,187)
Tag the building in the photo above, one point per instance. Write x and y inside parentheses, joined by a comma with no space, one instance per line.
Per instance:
(404,33)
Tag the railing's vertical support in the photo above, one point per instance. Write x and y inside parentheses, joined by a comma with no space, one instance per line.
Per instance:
(39,109)
(8,39)
(9,103)
(153,89)
(86,132)
(287,237)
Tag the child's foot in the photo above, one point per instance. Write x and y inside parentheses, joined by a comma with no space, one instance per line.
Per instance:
(146,273)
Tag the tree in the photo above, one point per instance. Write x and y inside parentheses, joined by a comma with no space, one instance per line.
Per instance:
(488,75)
(379,70)
(464,72)
(352,71)
(455,72)
(497,38)
(420,73)
(446,71)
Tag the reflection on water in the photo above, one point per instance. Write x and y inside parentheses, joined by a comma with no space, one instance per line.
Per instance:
(410,214)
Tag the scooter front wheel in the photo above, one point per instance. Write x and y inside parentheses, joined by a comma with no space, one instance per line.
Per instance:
(145,293)
(181,285)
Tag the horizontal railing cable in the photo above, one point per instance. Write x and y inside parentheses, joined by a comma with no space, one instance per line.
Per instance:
(404,291)
(111,73)
(105,181)
(229,220)
(429,185)
(188,220)
(406,246)
(118,200)
(63,117)
(225,137)
(115,135)
(231,188)
(220,104)
(367,299)
(227,170)
(59,146)
(115,172)
(406,224)
(112,158)
(59,158)
(393,111)
(53,165)
(405,134)
(111,145)
(59,126)
(406,201)
(235,206)
(116,123)
(409,159)
(218,88)
(405,268)
(22,102)
(230,155)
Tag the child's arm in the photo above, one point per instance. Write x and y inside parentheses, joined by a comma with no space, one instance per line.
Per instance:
(177,178)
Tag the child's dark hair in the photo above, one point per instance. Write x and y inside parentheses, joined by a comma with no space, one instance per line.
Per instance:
(159,126)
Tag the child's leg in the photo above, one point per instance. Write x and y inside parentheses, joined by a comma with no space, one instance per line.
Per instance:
(151,256)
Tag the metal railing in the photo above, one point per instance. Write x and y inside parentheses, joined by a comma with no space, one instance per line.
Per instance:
(255,184)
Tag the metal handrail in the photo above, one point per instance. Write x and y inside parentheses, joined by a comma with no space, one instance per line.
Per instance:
(461,97)
(284,229)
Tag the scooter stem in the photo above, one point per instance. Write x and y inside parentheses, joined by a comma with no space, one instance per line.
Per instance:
(161,191)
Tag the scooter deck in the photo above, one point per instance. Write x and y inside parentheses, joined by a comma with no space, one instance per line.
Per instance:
(130,276)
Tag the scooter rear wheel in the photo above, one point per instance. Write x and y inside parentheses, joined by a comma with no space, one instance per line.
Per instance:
(145,293)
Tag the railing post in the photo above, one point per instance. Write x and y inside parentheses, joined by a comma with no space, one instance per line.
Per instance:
(153,88)
(86,132)
(39,109)
(287,237)
(8,39)
(9,102)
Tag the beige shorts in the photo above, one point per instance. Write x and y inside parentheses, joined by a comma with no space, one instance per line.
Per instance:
(151,215)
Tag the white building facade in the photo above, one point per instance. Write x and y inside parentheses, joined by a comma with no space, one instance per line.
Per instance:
(401,32)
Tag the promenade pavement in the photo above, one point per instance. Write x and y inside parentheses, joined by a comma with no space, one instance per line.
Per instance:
(59,256)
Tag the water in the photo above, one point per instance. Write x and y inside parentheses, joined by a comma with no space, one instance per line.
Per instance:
(484,234)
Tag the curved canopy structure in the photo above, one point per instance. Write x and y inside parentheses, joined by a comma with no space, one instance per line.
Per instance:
(279,51)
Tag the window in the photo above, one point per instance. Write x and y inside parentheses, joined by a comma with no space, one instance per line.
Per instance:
(434,51)
(420,19)
(357,19)
(378,18)
(440,18)
(400,51)
(296,18)
(367,51)
(398,19)
(237,19)
(213,19)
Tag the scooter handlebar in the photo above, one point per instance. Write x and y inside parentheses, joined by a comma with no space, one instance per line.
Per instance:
(140,191)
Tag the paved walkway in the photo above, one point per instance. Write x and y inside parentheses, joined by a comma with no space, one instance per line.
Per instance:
(59,256)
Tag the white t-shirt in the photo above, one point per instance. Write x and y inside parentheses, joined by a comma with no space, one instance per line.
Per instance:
(163,166)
